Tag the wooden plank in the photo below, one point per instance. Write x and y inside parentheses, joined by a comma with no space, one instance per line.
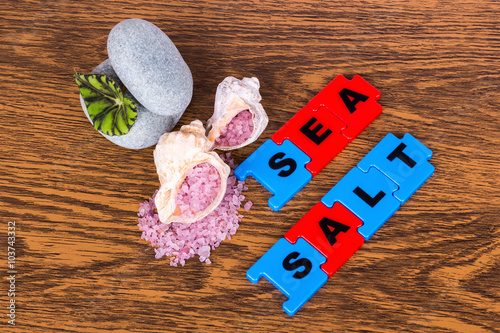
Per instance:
(82,266)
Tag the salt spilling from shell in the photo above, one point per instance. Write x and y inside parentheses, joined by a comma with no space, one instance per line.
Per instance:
(182,241)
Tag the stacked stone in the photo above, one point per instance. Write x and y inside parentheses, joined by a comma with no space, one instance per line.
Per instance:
(156,78)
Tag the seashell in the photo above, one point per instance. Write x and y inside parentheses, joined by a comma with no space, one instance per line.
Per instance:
(232,97)
(175,154)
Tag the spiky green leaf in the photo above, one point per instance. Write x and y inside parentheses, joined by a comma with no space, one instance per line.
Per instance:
(111,113)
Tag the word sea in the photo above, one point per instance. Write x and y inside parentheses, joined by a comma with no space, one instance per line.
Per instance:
(306,143)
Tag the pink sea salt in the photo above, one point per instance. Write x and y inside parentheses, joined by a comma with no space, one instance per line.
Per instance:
(199,189)
(248,205)
(182,241)
(237,131)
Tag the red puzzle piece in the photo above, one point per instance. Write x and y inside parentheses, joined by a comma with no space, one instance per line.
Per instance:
(353,101)
(316,133)
(331,231)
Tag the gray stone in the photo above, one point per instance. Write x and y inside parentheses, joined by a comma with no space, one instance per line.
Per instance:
(150,66)
(148,126)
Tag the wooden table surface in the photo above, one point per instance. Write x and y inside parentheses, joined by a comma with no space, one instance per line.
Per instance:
(81,264)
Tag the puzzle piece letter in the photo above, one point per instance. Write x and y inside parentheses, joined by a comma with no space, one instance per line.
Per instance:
(332,231)
(316,133)
(279,168)
(292,268)
(368,195)
(404,161)
(353,101)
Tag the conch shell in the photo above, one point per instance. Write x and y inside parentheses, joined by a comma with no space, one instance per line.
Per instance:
(232,97)
(175,154)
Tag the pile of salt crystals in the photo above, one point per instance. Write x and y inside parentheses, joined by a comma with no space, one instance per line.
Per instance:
(181,241)
(238,120)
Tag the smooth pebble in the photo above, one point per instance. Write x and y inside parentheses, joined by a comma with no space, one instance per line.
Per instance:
(151,67)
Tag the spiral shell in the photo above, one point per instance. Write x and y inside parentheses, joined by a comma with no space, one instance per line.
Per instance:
(232,97)
(175,154)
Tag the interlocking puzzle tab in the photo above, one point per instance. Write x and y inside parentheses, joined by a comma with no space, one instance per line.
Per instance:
(353,101)
(321,130)
(405,161)
(368,196)
(348,215)
(292,268)
(279,168)
(316,133)
(332,231)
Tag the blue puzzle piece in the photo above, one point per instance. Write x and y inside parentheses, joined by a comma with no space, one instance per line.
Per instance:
(279,168)
(404,161)
(292,268)
(368,196)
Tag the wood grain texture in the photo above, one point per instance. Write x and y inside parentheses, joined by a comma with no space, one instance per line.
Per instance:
(433,267)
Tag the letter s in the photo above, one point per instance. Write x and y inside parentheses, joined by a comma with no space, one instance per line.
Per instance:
(303,262)
(273,164)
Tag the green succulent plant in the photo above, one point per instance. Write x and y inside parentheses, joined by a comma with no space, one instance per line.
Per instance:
(111,113)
